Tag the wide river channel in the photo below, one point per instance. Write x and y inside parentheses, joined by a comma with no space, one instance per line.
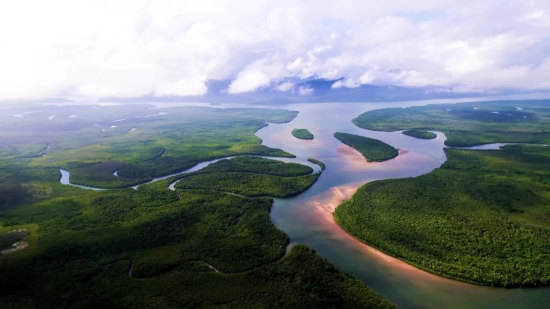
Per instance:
(307,218)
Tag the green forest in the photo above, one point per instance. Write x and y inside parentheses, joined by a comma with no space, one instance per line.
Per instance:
(153,247)
(91,149)
(468,124)
(256,165)
(321,164)
(252,180)
(483,217)
(302,134)
(422,134)
(372,149)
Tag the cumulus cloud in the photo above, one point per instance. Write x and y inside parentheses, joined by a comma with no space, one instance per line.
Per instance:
(348,83)
(135,48)
(255,75)
(285,86)
(304,90)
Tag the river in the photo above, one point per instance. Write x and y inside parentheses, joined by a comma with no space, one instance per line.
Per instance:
(308,219)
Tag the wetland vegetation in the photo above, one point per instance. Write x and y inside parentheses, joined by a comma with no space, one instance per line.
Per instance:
(302,134)
(372,149)
(468,124)
(193,248)
(161,144)
(251,177)
(484,216)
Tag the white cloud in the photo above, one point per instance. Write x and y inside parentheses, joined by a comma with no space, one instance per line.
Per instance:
(256,75)
(249,80)
(348,83)
(285,86)
(304,90)
(183,87)
(141,47)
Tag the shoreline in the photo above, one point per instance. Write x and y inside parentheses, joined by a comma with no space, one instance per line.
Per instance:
(327,202)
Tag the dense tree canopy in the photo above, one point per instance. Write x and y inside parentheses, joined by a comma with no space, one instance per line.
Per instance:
(483,217)
(302,134)
(422,134)
(468,124)
(153,247)
(372,149)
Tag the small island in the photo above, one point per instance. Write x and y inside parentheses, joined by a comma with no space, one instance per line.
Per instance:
(422,134)
(302,134)
(372,149)
(315,161)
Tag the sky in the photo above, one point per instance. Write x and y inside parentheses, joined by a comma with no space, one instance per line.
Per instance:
(171,48)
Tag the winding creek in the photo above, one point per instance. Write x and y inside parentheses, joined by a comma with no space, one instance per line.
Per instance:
(308,219)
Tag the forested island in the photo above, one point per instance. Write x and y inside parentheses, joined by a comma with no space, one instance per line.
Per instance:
(421,134)
(257,177)
(209,243)
(372,149)
(483,217)
(302,134)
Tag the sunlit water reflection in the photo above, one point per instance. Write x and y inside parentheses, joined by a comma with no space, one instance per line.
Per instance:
(308,218)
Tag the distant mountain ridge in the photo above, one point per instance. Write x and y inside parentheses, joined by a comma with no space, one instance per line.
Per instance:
(316,90)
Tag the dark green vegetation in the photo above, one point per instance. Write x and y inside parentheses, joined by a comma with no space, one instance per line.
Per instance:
(302,134)
(152,247)
(422,134)
(255,165)
(252,177)
(483,217)
(249,184)
(469,124)
(89,240)
(372,149)
(321,164)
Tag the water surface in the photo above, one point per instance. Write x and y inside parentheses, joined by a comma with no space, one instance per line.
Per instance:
(308,219)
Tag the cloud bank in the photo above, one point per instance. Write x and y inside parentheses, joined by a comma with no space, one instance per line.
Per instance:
(135,48)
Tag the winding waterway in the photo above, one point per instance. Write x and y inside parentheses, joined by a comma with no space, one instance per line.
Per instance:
(308,219)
